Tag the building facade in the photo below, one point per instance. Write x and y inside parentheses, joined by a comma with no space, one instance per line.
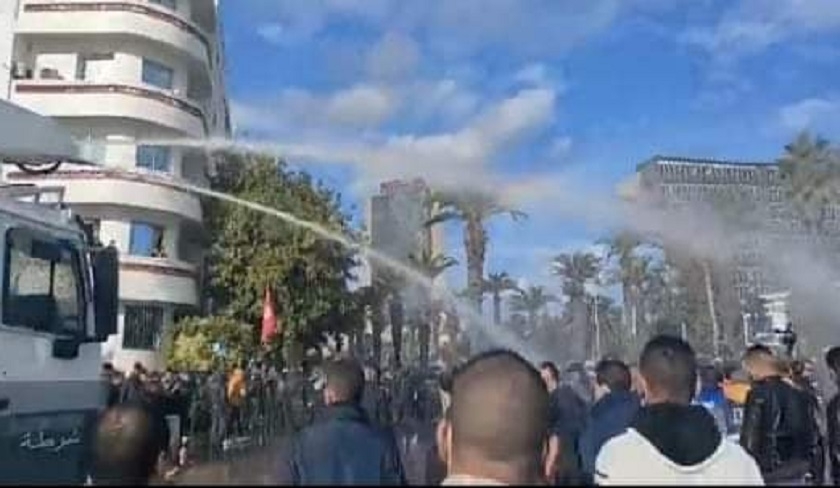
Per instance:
(128,79)
(396,221)
(756,191)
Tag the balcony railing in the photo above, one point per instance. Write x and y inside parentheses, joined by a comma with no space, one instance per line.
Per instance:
(53,87)
(164,180)
(131,7)
(161,266)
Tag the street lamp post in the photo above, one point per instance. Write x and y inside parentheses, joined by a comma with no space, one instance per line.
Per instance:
(597,331)
(593,289)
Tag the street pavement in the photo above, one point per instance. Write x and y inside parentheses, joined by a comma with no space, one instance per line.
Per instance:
(265,466)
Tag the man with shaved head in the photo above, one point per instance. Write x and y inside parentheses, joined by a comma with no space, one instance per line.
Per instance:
(496,427)
(127,446)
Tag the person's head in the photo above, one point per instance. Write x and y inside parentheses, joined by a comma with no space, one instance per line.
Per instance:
(497,424)
(611,375)
(344,382)
(759,362)
(832,360)
(550,375)
(668,369)
(710,377)
(126,447)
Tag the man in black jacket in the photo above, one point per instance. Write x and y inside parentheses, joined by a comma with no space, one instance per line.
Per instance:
(832,359)
(345,448)
(779,428)
(568,416)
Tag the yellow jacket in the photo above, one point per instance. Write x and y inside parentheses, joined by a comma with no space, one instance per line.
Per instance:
(736,391)
(236,388)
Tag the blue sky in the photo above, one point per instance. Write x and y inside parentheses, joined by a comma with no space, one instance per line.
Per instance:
(549,102)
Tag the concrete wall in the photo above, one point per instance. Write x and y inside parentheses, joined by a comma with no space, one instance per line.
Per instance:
(8,13)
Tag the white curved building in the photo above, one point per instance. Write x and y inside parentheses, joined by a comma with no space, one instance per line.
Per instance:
(119,75)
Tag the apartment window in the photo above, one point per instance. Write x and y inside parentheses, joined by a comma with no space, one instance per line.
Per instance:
(170,4)
(43,285)
(154,158)
(93,150)
(146,240)
(93,66)
(142,327)
(157,74)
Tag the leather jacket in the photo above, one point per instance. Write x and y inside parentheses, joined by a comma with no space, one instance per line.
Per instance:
(781,432)
(833,421)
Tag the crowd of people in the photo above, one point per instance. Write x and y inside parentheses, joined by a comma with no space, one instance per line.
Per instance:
(206,413)
(498,419)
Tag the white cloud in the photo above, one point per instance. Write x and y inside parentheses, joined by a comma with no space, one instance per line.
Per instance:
(360,106)
(459,157)
(733,39)
(394,56)
(751,26)
(446,101)
(811,113)
(534,74)
(560,147)
(299,111)
(457,28)
(272,32)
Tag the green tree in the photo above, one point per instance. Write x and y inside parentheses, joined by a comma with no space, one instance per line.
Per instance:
(251,250)
(810,169)
(495,285)
(199,344)
(621,250)
(431,266)
(474,209)
(575,271)
(531,301)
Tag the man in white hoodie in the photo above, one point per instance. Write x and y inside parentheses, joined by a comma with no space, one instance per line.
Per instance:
(670,441)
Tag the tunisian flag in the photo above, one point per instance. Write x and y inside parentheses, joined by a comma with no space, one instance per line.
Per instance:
(269,320)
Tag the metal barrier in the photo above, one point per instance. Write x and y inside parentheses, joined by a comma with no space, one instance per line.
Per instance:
(219,431)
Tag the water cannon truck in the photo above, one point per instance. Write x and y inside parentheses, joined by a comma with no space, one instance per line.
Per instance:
(59,304)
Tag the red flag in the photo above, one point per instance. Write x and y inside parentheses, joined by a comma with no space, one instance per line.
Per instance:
(269,320)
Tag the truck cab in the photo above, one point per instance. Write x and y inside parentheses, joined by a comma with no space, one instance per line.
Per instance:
(58,303)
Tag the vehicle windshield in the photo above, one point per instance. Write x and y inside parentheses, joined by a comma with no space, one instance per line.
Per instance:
(44,286)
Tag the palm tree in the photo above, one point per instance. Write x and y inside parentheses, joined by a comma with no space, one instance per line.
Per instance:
(372,300)
(531,302)
(575,270)
(430,266)
(495,285)
(810,168)
(621,248)
(710,299)
(473,208)
(639,276)
(391,285)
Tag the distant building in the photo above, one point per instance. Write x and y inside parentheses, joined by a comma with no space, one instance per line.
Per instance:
(397,222)
(397,218)
(682,182)
(119,76)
